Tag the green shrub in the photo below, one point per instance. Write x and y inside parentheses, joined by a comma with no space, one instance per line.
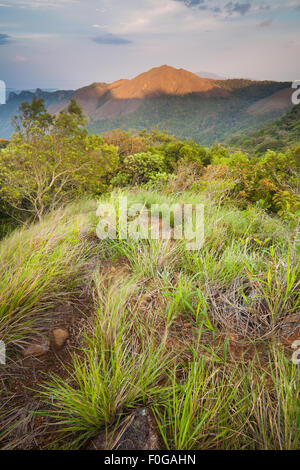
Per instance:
(140,168)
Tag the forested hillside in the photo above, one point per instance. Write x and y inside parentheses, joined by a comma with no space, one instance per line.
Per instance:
(277,135)
(174,100)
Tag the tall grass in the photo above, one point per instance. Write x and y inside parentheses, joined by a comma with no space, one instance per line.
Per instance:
(119,369)
(196,414)
(272,399)
(39,267)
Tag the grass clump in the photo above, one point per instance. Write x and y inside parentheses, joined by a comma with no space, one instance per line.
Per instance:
(119,369)
(39,268)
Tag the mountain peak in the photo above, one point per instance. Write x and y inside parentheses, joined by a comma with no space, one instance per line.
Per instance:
(164,80)
(163,68)
(101,100)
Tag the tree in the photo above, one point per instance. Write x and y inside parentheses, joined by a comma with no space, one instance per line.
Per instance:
(51,160)
(32,117)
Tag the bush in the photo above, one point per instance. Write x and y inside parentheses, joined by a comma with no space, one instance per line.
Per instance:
(269,181)
(140,168)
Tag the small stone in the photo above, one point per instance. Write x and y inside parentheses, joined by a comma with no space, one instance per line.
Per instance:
(60,336)
(35,349)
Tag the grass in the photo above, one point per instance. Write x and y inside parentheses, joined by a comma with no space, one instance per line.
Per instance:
(272,403)
(195,336)
(197,412)
(120,368)
(39,267)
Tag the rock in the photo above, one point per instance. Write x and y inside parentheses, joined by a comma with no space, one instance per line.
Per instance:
(36,349)
(60,336)
(136,433)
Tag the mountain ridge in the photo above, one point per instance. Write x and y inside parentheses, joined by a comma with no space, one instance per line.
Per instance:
(175,100)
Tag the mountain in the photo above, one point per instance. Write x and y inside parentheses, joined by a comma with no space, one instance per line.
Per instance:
(101,101)
(277,135)
(175,100)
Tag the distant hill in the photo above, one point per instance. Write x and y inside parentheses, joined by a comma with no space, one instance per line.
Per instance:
(212,75)
(278,135)
(15,98)
(175,100)
(17,92)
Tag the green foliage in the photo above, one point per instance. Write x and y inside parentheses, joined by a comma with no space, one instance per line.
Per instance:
(162,155)
(151,300)
(204,119)
(270,181)
(197,413)
(51,160)
(223,157)
(177,153)
(278,135)
(140,168)
(156,333)
(160,180)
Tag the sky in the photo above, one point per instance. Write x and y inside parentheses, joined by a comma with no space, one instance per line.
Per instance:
(67,44)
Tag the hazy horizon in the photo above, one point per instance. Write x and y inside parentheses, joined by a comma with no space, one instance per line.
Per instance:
(68,44)
(204,75)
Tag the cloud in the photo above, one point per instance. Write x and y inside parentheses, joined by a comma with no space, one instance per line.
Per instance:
(265,24)
(110,39)
(195,3)
(4,39)
(229,9)
(192,3)
(237,7)
(265,7)
(42,3)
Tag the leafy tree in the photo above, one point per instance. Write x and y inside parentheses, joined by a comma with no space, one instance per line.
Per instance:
(32,117)
(52,159)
